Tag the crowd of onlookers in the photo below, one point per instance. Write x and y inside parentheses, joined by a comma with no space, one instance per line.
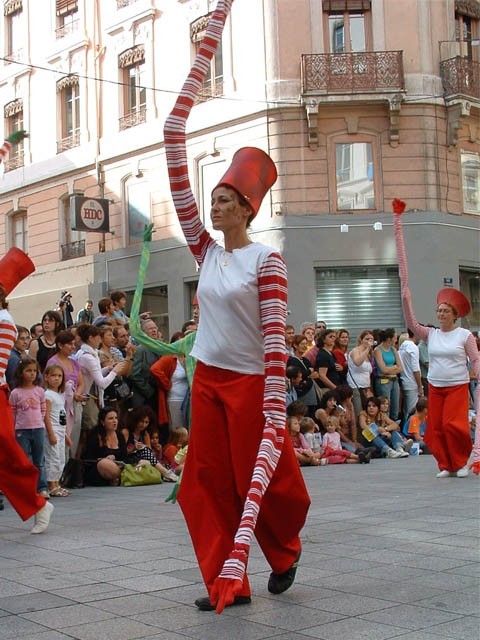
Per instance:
(81,387)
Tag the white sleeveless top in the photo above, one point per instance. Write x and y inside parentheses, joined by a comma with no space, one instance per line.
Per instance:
(447,357)
(358,376)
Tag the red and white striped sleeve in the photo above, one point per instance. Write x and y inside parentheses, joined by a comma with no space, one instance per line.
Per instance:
(412,322)
(196,235)
(8,333)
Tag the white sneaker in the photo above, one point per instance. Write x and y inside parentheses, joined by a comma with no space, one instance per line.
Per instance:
(170,476)
(402,452)
(42,518)
(394,454)
(407,445)
(462,473)
(323,462)
(444,474)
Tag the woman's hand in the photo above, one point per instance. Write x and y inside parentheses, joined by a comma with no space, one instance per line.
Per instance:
(68,440)
(121,368)
(52,439)
(314,375)
(110,457)
(338,367)
(130,349)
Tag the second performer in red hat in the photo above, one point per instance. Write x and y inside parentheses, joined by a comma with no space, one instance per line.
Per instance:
(448,431)
(238,392)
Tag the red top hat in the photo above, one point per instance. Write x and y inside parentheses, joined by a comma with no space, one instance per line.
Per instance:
(15,266)
(251,174)
(456,299)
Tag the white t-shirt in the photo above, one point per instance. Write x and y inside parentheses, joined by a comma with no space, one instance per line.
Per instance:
(447,357)
(57,404)
(179,383)
(230,334)
(410,357)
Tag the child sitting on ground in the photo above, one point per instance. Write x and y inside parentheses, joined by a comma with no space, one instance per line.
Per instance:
(304,454)
(311,433)
(414,427)
(332,445)
(155,443)
(177,439)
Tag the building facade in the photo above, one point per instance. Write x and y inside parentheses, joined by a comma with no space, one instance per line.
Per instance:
(357,102)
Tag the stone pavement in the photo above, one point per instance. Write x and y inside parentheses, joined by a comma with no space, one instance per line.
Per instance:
(389,552)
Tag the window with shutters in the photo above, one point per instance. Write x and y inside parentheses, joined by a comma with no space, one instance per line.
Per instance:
(359,298)
(212,85)
(69,107)
(14,30)
(67,17)
(19,230)
(13,113)
(132,68)
(467,28)
(72,242)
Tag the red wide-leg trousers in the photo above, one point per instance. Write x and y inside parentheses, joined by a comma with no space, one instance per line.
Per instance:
(447,434)
(18,476)
(226,430)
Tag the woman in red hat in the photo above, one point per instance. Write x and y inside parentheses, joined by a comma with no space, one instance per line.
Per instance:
(18,477)
(448,430)
(238,393)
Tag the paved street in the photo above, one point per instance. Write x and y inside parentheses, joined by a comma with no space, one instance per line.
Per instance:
(389,552)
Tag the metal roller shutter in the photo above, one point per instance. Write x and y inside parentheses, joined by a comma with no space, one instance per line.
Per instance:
(357,298)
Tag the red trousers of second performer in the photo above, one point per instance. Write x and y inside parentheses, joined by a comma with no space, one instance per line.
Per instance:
(448,433)
(18,476)
(226,430)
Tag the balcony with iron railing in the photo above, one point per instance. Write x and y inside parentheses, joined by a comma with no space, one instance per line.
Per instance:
(73,250)
(460,77)
(210,90)
(132,119)
(67,29)
(15,161)
(347,73)
(69,142)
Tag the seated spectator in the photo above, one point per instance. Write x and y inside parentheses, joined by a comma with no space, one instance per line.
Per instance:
(388,444)
(309,429)
(415,426)
(328,408)
(155,443)
(340,351)
(297,409)
(86,314)
(347,418)
(325,364)
(304,454)
(106,308)
(137,438)
(293,380)
(19,351)
(333,452)
(177,440)
(106,450)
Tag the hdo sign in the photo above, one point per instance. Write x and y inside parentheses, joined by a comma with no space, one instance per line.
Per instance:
(89,214)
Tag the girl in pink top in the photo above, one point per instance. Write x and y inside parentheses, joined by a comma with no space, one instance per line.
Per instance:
(29,408)
(332,445)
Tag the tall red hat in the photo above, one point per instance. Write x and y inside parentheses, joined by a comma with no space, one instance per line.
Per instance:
(454,297)
(251,174)
(15,266)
